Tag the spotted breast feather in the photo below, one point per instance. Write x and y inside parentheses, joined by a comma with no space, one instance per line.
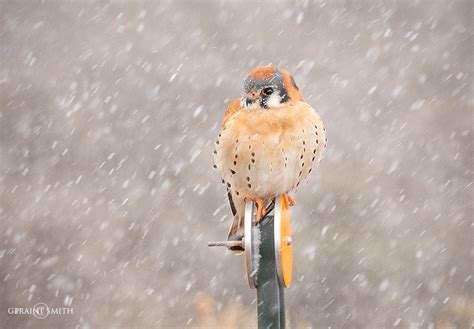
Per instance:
(267,152)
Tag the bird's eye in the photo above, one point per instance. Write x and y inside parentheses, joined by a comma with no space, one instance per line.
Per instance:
(267,91)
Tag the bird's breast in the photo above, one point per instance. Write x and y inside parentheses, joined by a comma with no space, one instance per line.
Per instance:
(269,151)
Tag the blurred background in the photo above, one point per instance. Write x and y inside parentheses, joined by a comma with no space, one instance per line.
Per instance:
(108,197)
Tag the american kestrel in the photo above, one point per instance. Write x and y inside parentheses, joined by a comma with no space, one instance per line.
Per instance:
(269,141)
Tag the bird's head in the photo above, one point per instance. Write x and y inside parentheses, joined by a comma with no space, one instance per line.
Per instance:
(268,87)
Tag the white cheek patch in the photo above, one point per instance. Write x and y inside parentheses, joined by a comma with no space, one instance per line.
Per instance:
(274,100)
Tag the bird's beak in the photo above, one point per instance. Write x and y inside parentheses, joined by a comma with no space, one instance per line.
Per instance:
(248,100)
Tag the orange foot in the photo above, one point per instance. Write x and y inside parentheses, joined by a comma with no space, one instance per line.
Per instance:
(261,210)
(290,201)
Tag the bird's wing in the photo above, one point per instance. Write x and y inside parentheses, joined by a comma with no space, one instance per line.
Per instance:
(233,107)
(232,205)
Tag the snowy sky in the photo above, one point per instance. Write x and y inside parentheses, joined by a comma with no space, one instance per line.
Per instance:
(108,114)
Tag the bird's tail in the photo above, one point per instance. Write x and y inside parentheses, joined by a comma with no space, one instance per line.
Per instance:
(236,233)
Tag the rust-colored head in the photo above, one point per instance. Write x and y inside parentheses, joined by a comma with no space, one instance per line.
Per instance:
(269,87)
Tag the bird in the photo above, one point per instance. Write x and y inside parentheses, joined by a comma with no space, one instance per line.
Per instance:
(270,140)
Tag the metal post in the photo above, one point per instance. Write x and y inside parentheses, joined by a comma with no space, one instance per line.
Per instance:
(270,293)
(268,260)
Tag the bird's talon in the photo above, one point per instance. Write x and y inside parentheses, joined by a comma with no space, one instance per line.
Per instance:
(261,210)
(289,200)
